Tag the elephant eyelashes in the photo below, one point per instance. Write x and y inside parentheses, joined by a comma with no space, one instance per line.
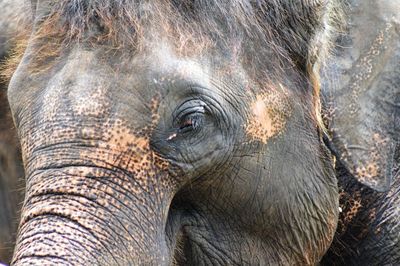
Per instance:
(190,116)
(190,122)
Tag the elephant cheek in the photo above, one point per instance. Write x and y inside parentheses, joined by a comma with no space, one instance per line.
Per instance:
(269,113)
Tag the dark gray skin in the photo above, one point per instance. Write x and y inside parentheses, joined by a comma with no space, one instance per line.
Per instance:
(368,229)
(362,90)
(172,155)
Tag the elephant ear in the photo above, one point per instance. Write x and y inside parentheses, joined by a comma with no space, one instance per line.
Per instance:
(361,92)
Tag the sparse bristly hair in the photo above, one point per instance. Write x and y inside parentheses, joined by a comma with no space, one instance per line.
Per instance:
(296,29)
(281,33)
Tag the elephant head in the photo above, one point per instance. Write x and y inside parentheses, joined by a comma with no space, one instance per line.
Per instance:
(168,132)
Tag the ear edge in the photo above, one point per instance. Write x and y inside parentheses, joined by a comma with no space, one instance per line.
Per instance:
(377,177)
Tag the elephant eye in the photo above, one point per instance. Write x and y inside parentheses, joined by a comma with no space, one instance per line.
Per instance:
(190,117)
(190,122)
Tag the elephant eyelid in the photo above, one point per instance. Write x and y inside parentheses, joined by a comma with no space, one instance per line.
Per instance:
(188,108)
(190,122)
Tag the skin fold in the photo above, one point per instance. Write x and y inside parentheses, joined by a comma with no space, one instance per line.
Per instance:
(189,133)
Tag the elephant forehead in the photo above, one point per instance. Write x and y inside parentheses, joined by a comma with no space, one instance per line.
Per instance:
(269,113)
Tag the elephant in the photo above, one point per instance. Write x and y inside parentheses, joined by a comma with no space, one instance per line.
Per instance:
(197,132)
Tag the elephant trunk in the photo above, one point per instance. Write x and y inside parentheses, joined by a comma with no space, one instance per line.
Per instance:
(81,209)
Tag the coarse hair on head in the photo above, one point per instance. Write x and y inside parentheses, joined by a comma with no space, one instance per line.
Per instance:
(281,33)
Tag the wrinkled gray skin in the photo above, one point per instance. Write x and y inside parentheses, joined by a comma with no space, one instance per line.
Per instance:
(11,170)
(158,153)
(363,79)
(93,198)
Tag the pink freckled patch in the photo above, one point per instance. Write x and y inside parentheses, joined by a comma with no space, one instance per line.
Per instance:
(269,113)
